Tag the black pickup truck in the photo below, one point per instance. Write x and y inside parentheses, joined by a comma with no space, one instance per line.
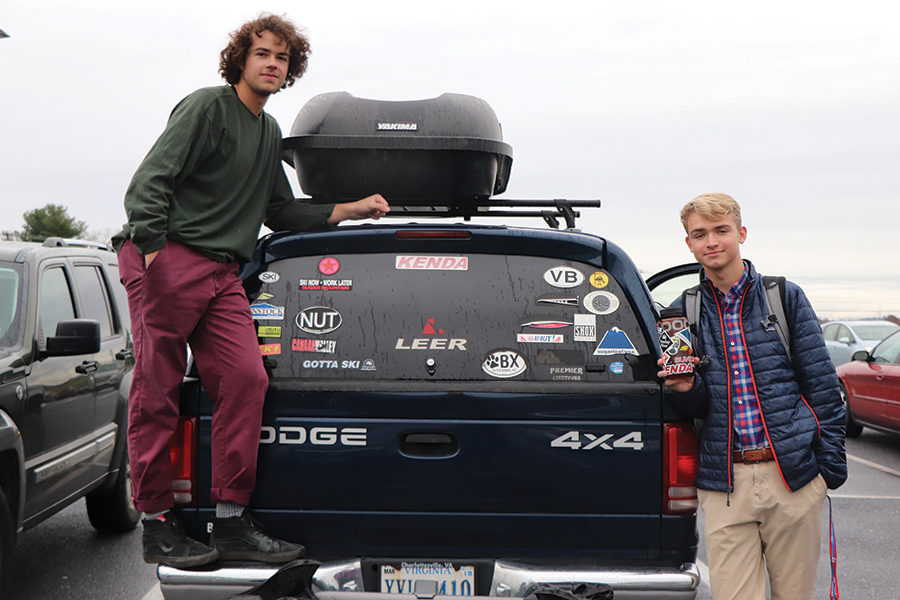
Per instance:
(65,371)
(454,409)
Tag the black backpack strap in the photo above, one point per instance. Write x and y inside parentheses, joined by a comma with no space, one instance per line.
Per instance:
(774,288)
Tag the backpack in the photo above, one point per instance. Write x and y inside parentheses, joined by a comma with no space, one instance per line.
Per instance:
(774,288)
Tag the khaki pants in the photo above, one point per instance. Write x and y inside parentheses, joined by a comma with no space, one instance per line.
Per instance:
(767,528)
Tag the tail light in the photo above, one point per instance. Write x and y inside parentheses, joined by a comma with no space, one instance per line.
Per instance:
(183,457)
(679,469)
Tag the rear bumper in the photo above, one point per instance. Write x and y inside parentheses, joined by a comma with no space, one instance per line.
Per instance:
(343,581)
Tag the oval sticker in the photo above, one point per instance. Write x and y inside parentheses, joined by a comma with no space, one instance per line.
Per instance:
(601,303)
(563,277)
(269,277)
(504,364)
(318,320)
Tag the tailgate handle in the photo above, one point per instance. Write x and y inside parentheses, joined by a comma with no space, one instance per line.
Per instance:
(429,445)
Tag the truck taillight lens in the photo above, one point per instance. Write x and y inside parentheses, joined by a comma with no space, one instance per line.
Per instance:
(182,456)
(679,469)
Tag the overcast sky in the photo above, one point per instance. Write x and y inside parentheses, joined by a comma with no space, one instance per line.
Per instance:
(791,107)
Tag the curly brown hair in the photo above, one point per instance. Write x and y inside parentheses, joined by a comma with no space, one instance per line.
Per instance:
(233,57)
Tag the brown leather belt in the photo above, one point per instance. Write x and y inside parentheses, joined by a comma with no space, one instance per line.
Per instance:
(754,455)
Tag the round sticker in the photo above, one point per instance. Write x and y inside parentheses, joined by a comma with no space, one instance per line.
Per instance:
(504,364)
(599,279)
(329,265)
(601,303)
(617,368)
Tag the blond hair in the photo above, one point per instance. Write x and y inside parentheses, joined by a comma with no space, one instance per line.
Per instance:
(713,207)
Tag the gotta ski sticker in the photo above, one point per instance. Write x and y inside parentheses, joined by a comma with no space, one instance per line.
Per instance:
(615,341)
(601,303)
(563,277)
(504,364)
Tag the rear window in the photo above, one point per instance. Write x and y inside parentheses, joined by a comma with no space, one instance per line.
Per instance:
(479,317)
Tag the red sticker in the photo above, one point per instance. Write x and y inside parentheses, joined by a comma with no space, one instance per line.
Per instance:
(329,265)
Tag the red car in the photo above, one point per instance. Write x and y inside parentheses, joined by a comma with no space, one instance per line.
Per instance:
(870,384)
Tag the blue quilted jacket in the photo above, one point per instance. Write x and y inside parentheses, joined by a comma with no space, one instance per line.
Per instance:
(800,398)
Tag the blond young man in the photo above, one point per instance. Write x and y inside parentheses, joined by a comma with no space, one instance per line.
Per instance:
(772,433)
(195,207)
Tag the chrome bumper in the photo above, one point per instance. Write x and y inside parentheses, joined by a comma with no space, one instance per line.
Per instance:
(343,581)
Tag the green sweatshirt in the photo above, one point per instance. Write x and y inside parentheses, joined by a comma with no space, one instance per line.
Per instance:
(211,179)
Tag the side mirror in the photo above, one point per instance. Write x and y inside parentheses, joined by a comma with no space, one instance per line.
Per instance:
(74,337)
(861,355)
(845,340)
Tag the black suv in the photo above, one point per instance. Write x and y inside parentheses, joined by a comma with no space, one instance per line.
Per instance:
(65,371)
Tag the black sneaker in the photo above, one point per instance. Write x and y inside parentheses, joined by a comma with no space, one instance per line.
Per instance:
(242,538)
(166,543)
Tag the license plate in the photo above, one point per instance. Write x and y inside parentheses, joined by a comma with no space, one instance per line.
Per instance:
(448,580)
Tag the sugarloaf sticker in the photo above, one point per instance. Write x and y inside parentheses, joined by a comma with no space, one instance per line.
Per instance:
(268,331)
(539,338)
(432,263)
(319,320)
(504,364)
(599,279)
(329,265)
(560,301)
(615,341)
(585,328)
(601,303)
(269,277)
(269,349)
(266,312)
(563,277)
(546,324)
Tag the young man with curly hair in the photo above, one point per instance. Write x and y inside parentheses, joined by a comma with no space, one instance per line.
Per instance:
(195,207)
(772,434)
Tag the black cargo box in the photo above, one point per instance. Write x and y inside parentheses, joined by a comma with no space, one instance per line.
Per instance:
(446,150)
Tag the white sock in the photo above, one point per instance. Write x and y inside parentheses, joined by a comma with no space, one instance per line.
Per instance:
(225,510)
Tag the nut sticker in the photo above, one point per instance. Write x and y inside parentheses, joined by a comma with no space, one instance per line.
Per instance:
(563,277)
(601,303)
(319,320)
(504,364)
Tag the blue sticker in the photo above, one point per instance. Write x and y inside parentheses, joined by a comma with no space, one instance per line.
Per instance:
(615,341)
(617,367)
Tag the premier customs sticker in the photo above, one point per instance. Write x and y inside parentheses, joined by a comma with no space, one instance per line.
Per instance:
(504,364)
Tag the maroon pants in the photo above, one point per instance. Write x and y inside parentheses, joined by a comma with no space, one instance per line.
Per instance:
(185,298)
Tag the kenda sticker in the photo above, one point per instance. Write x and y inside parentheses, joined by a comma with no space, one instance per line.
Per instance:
(615,341)
(432,263)
(264,312)
(269,277)
(601,303)
(563,277)
(504,364)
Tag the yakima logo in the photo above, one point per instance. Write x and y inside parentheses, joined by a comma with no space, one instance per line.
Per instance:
(318,320)
(433,263)
(397,127)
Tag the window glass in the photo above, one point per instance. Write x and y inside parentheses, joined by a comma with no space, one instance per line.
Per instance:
(479,317)
(844,334)
(888,351)
(875,331)
(830,332)
(55,300)
(11,305)
(95,303)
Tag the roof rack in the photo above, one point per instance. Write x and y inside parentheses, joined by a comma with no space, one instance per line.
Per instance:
(487,207)
(56,242)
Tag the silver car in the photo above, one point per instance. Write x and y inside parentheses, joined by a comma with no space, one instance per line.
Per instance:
(843,338)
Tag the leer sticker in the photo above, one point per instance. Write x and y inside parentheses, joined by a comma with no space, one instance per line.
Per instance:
(601,303)
(615,341)
(504,364)
(563,277)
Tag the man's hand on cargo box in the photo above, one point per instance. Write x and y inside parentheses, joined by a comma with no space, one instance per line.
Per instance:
(370,207)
